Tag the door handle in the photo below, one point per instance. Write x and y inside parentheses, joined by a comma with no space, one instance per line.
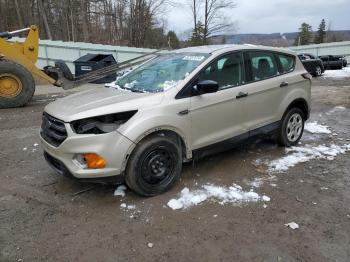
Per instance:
(183,112)
(284,84)
(241,95)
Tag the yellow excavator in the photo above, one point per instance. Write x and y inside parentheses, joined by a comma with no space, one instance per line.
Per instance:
(18,70)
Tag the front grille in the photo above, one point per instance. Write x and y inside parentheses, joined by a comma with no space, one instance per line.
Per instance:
(53,130)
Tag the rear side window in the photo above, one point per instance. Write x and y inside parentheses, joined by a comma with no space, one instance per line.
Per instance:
(263,65)
(287,62)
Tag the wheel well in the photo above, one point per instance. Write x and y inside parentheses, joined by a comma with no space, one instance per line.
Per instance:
(301,104)
(173,135)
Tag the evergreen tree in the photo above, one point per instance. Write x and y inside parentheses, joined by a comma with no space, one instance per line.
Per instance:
(198,35)
(173,41)
(321,33)
(305,35)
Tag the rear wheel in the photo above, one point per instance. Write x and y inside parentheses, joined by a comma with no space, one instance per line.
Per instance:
(154,166)
(17,85)
(292,127)
(318,71)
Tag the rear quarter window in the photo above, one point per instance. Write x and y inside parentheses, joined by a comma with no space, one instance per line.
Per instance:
(287,62)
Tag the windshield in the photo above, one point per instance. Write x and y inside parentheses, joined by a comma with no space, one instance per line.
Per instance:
(161,73)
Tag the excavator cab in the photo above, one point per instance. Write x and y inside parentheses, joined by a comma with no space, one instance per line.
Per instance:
(18,69)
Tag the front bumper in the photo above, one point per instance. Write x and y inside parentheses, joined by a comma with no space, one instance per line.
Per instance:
(113,147)
(62,170)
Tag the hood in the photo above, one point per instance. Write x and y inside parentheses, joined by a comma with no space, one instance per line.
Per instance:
(100,101)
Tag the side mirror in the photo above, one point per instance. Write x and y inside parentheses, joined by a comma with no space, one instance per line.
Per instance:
(206,86)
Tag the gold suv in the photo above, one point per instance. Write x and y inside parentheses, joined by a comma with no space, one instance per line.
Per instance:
(173,108)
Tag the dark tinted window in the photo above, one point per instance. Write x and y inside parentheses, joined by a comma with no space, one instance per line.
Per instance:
(324,58)
(287,62)
(263,65)
(227,70)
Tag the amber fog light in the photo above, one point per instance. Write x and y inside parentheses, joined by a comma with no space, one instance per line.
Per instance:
(94,161)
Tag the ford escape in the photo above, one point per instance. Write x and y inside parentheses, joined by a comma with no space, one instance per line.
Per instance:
(173,107)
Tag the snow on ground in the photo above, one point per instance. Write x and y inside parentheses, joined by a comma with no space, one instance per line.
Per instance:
(341,73)
(305,153)
(336,109)
(120,191)
(209,192)
(314,128)
(260,181)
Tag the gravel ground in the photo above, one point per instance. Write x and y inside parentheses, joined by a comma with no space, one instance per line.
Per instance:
(43,219)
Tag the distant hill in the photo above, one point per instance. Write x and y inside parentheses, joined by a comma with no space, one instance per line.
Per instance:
(274,39)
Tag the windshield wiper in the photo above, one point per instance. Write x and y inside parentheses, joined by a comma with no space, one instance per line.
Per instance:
(136,90)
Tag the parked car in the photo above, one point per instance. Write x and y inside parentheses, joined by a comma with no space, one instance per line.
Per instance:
(332,62)
(312,64)
(174,108)
(343,58)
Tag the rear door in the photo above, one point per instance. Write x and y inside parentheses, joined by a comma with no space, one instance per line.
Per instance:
(267,80)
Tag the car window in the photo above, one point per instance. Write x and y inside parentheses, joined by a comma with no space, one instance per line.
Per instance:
(227,71)
(324,58)
(263,65)
(287,62)
(161,73)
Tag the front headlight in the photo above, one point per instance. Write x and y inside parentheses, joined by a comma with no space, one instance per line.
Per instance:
(101,124)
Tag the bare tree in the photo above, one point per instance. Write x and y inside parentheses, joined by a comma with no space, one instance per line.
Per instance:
(44,17)
(19,15)
(214,19)
(209,17)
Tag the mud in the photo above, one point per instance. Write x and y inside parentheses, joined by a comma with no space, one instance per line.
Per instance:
(42,219)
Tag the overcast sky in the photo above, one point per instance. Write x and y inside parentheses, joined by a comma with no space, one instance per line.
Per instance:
(272,16)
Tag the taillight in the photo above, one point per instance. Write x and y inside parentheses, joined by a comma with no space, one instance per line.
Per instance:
(307,76)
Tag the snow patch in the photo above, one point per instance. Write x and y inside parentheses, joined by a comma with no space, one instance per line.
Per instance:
(315,128)
(222,194)
(342,73)
(120,191)
(336,109)
(304,154)
(292,225)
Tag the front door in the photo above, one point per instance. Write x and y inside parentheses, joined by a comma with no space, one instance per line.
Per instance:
(219,116)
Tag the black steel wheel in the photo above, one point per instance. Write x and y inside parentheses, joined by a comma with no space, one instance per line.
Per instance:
(154,166)
(157,166)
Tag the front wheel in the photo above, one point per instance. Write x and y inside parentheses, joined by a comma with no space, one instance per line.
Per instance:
(154,166)
(292,128)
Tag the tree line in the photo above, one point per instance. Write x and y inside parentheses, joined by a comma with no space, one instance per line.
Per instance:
(136,23)
(117,22)
(323,34)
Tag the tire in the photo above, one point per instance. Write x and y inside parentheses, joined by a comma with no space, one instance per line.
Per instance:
(17,85)
(292,127)
(154,166)
(318,71)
